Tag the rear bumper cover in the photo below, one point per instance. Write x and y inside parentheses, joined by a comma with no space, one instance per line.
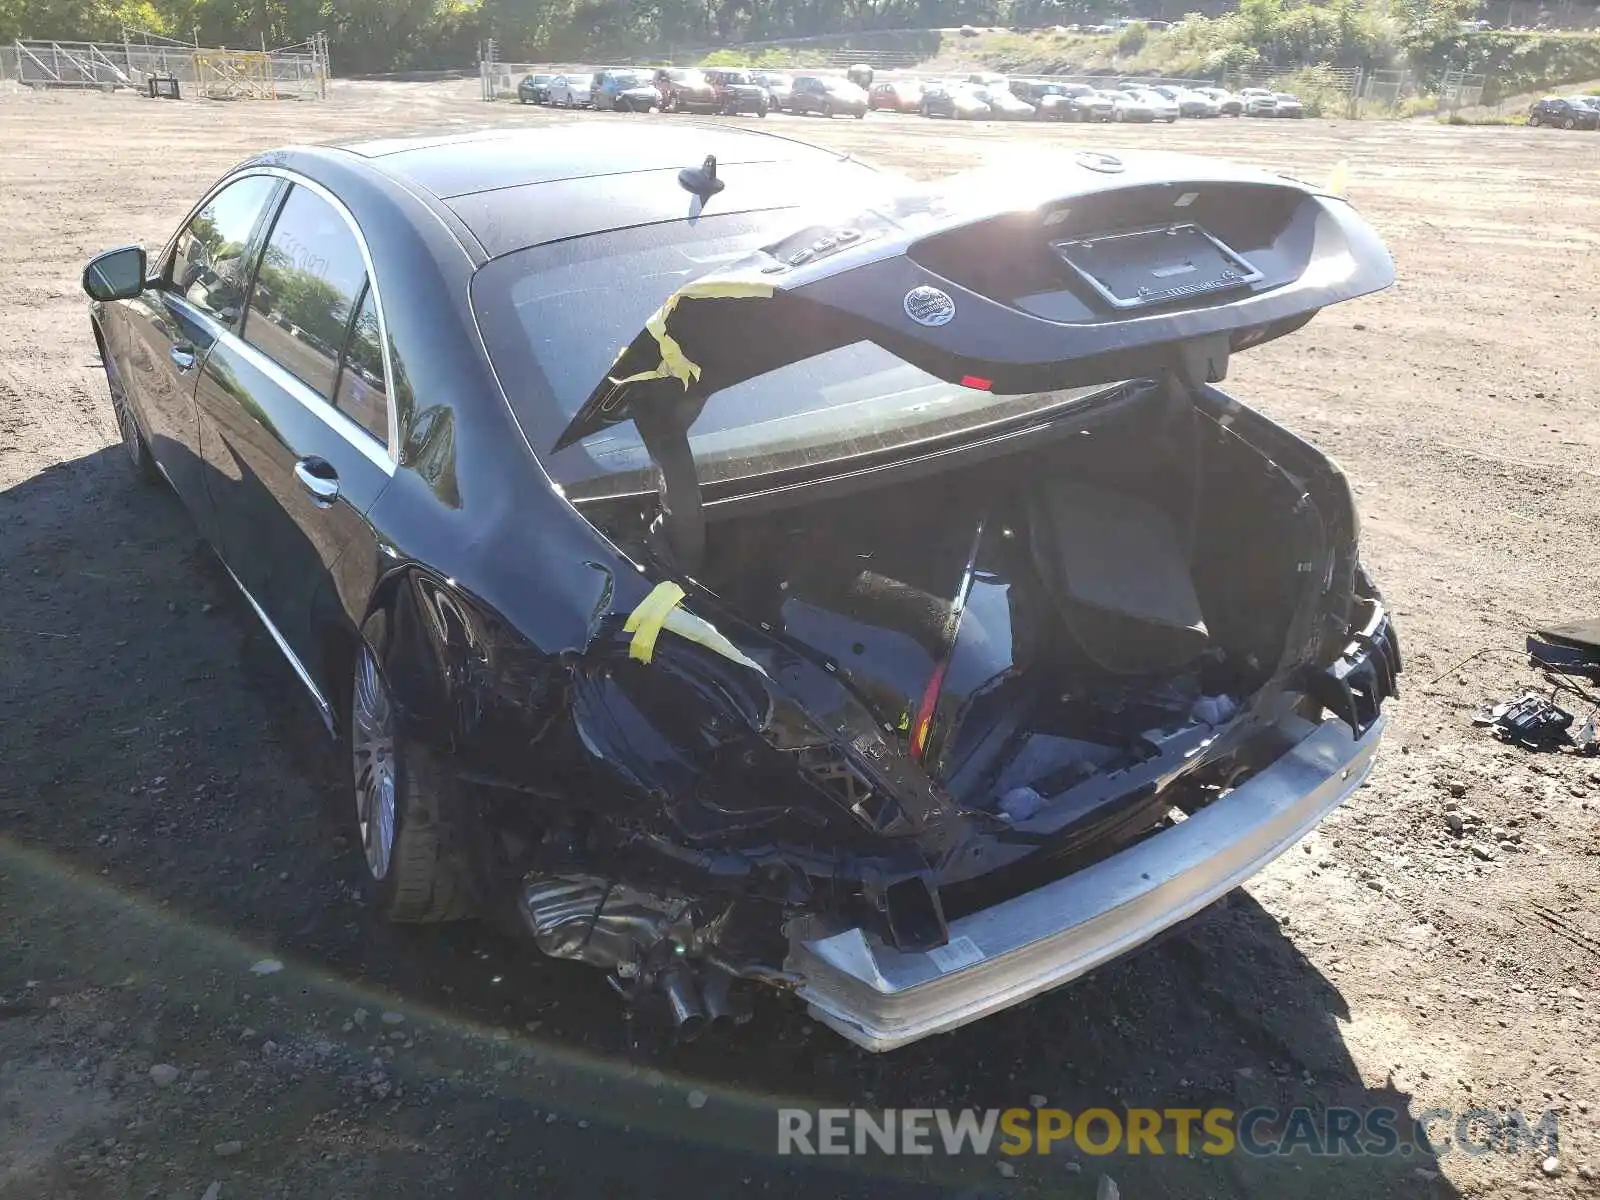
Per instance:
(881,998)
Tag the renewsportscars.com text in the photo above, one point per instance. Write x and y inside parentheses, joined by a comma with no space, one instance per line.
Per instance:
(1178,1131)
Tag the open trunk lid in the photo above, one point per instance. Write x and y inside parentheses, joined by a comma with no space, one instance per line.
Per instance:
(1116,268)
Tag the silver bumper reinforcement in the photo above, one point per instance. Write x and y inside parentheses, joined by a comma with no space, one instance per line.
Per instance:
(881,998)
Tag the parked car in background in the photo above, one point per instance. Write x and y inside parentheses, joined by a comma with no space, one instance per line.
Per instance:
(623,90)
(1228,104)
(1565,112)
(736,92)
(999,654)
(684,89)
(534,89)
(778,85)
(987,79)
(1161,108)
(956,101)
(1004,103)
(1191,103)
(827,96)
(895,95)
(570,91)
(1133,106)
(1288,106)
(1259,102)
(1063,101)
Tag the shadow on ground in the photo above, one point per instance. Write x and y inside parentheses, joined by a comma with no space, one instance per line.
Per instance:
(169,800)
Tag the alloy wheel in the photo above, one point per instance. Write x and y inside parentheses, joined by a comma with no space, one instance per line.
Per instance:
(372,747)
(126,425)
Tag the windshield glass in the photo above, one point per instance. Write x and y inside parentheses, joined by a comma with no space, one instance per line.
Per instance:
(554,319)
(626,80)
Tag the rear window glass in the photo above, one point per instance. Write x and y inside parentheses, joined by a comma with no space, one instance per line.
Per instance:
(554,319)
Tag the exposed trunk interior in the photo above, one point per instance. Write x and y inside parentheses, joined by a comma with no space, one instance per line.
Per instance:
(1038,622)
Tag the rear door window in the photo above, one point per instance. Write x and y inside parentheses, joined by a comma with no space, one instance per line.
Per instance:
(361,395)
(211,263)
(310,283)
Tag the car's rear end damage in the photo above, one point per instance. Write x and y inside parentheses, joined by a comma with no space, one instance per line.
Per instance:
(920,733)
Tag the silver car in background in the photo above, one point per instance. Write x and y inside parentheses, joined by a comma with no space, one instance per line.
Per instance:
(571,91)
(1259,102)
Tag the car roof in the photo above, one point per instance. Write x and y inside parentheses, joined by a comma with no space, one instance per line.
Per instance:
(514,188)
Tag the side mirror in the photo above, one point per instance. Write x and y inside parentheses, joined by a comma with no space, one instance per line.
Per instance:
(115,275)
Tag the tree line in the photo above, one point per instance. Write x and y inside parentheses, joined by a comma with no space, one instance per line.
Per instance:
(388,35)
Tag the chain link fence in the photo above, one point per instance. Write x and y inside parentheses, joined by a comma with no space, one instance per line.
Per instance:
(1323,91)
(291,72)
(1456,93)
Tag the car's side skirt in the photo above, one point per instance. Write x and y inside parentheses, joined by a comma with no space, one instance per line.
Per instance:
(324,709)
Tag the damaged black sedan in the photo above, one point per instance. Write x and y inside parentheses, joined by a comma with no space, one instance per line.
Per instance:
(747,570)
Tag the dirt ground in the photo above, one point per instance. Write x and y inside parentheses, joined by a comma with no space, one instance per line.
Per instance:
(170,821)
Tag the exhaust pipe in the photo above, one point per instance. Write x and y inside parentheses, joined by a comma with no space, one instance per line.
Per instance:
(719,1005)
(688,1014)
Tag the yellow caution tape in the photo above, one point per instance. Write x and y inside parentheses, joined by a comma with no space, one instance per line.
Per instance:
(645,621)
(675,364)
(1337,180)
(659,610)
(700,631)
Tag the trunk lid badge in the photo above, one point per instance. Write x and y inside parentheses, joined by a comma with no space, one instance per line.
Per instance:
(929,306)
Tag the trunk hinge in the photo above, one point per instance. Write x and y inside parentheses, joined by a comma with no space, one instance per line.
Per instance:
(679,531)
(1198,361)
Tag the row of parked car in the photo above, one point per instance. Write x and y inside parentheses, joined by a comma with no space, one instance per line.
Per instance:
(997,97)
(733,90)
(1567,112)
(727,90)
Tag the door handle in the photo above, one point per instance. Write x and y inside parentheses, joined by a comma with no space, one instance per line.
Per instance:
(183,357)
(318,478)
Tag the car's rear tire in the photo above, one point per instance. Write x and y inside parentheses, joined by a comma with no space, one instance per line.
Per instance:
(861,114)
(827,109)
(410,816)
(1568,123)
